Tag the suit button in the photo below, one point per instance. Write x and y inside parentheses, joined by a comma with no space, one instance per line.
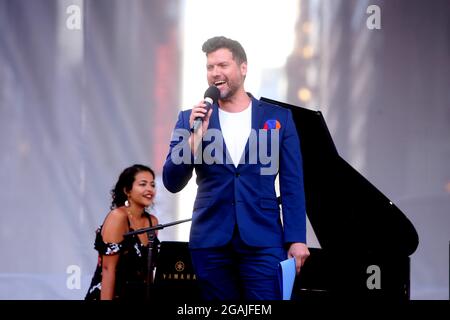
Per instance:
(232,203)
(237,174)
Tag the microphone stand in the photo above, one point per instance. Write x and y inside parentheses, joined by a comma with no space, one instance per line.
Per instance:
(151,235)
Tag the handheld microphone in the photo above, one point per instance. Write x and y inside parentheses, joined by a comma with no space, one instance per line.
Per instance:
(211,96)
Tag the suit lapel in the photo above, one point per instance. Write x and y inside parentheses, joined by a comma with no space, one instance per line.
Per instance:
(214,122)
(257,120)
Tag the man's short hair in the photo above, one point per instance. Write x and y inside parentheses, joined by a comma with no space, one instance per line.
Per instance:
(221,42)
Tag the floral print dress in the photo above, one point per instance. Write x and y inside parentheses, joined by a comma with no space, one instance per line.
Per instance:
(131,270)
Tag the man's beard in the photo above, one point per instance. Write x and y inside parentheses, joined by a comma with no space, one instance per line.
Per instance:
(228,94)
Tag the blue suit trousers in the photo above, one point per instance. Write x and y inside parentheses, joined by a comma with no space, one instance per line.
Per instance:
(237,271)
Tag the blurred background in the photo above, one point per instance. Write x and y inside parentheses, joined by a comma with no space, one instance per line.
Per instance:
(89,87)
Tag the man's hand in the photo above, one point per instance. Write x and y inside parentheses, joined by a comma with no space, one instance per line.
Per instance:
(199,110)
(300,252)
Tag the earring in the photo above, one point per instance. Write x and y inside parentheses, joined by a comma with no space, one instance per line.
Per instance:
(127,203)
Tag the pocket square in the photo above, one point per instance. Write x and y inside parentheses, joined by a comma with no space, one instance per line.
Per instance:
(272,124)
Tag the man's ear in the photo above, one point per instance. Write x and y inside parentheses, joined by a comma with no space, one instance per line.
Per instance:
(244,68)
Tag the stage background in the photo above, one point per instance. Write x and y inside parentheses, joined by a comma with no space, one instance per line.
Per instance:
(80,102)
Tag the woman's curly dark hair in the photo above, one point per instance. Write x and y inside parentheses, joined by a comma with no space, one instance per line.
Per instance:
(125,181)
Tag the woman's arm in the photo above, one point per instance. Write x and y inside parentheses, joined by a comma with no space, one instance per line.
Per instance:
(112,232)
(109,264)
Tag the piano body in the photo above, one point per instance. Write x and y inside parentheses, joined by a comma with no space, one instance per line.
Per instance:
(365,239)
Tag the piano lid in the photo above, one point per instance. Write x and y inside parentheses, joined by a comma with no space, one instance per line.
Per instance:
(344,208)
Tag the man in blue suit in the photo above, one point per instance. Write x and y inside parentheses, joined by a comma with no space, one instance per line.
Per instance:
(238,236)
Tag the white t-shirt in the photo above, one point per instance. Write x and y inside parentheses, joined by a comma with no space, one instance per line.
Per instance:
(236,128)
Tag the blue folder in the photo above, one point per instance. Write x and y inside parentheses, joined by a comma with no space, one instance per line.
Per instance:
(286,277)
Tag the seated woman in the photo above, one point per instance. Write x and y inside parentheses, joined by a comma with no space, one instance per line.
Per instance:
(121,271)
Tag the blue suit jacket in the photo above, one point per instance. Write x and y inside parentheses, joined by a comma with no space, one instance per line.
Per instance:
(227,195)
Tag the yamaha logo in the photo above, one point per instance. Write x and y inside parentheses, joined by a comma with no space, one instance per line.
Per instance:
(179,266)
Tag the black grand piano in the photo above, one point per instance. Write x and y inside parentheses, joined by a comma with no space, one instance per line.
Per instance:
(365,240)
